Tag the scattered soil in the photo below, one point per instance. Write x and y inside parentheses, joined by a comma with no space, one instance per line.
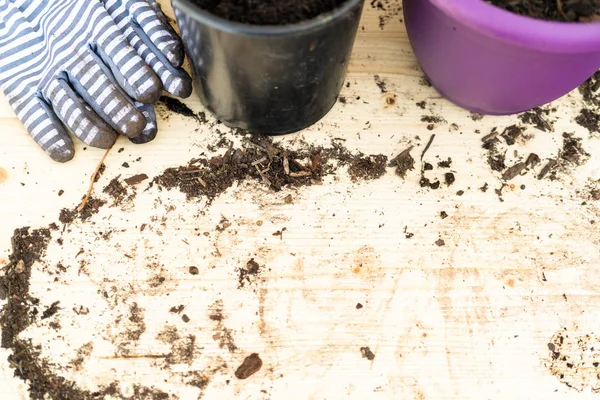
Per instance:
(449,177)
(552,10)
(445,164)
(548,168)
(92,207)
(380,83)
(268,12)
(16,315)
(571,155)
(260,159)
(251,365)
(390,10)
(496,150)
(432,121)
(246,275)
(590,90)
(180,108)
(367,353)
(589,119)
(573,359)
(368,168)
(20,310)
(223,335)
(512,133)
(572,151)
(115,189)
(538,117)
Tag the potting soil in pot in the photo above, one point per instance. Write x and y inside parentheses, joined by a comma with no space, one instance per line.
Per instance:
(268,12)
(553,10)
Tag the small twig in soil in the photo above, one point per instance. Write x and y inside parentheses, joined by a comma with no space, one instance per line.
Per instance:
(255,163)
(427,147)
(560,9)
(488,138)
(130,356)
(286,163)
(315,162)
(549,125)
(300,174)
(261,173)
(93,180)
(189,172)
(551,164)
(514,171)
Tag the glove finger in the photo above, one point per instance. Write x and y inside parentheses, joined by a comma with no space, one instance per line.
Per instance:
(96,87)
(46,129)
(133,74)
(151,129)
(151,25)
(77,116)
(157,28)
(175,81)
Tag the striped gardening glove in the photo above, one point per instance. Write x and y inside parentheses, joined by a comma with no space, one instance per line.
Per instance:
(65,63)
(147,29)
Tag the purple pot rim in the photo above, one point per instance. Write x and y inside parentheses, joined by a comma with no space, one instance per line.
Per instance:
(549,36)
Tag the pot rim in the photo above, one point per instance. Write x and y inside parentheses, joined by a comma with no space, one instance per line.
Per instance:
(222,24)
(523,31)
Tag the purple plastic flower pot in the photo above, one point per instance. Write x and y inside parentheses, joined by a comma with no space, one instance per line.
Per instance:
(492,61)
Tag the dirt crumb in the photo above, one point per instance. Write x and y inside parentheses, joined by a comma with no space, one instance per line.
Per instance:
(403,162)
(50,311)
(251,365)
(367,353)
(136,179)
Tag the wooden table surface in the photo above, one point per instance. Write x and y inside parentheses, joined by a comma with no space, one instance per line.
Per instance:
(375,289)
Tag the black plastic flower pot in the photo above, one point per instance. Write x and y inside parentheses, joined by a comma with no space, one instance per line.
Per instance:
(269,79)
